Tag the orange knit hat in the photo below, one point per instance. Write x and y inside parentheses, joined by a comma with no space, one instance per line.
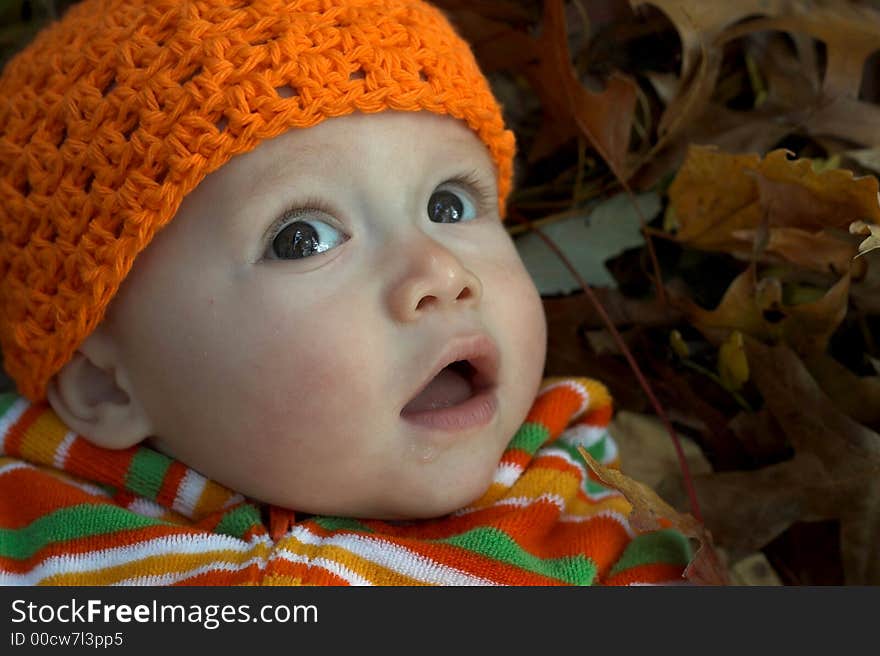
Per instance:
(114,113)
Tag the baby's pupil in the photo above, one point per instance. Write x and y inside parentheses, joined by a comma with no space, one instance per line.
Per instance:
(297,240)
(445,207)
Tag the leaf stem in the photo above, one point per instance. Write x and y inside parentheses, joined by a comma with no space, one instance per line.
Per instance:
(658,408)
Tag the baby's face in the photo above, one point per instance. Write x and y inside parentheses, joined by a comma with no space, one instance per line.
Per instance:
(285,331)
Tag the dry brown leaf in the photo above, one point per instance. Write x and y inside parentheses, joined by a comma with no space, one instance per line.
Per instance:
(754,570)
(834,474)
(855,396)
(646,451)
(718,196)
(650,513)
(495,30)
(604,119)
(755,308)
(823,251)
(699,25)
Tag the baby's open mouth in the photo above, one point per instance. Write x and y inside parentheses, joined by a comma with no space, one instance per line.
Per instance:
(452,386)
(458,389)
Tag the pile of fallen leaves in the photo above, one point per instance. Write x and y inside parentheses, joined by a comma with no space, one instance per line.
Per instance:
(707,170)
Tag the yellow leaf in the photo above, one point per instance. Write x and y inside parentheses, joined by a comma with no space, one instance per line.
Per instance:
(733,365)
(676,341)
(725,202)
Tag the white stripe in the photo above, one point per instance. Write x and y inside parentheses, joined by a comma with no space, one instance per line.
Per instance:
(506,474)
(15,464)
(174,577)
(610,514)
(579,389)
(188,493)
(393,557)
(93,561)
(60,456)
(147,508)
(518,502)
(584,435)
(350,576)
(7,421)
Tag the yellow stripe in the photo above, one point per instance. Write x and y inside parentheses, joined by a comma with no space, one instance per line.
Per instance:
(617,503)
(537,481)
(366,569)
(158,565)
(212,499)
(43,438)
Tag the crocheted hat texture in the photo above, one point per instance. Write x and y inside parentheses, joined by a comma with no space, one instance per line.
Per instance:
(117,111)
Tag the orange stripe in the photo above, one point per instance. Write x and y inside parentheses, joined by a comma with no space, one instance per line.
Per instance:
(306,574)
(555,408)
(652,573)
(17,432)
(600,416)
(19,506)
(516,457)
(168,491)
(243,576)
(97,464)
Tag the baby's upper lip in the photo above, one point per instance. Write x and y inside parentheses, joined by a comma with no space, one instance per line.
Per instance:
(478,349)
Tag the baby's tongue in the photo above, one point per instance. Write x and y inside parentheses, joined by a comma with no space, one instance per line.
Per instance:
(447,389)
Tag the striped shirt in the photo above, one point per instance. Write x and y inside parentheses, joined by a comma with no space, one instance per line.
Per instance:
(72,513)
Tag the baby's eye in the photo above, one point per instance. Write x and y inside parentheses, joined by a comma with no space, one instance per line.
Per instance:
(301,238)
(450,203)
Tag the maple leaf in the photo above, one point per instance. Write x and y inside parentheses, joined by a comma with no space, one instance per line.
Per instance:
(834,473)
(604,119)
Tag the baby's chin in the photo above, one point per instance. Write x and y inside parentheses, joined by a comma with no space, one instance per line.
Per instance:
(428,499)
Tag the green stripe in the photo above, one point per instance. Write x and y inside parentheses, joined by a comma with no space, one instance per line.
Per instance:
(664,546)
(341,524)
(239,520)
(497,545)
(80,521)
(529,437)
(6,401)
(146,473)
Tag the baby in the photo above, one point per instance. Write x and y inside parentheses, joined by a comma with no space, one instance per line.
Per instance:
(254,265)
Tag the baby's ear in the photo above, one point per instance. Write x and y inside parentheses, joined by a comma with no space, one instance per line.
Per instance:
(92,395)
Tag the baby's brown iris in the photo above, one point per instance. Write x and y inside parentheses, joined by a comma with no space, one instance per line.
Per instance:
(297,240)
(445,207)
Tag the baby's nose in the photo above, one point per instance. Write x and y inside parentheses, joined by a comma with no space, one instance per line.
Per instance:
(435,279)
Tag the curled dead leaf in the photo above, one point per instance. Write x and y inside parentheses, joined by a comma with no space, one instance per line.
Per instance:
(651,513)
(756,308)
(871,230)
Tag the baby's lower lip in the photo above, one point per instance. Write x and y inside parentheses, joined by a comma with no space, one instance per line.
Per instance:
(475,412)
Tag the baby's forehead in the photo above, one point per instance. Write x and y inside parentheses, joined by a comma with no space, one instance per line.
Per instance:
(388,142)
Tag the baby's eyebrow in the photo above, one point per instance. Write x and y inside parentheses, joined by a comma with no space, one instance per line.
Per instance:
(272,172)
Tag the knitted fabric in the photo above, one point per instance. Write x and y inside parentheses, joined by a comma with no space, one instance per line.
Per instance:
(74,514)
(114,113)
